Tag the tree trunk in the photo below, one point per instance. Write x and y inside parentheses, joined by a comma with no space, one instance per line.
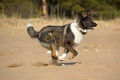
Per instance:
(44,8)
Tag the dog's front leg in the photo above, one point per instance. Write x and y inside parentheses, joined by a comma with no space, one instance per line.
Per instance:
(72,50)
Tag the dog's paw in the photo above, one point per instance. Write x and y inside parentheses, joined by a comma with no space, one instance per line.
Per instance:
(60,58)
(70,58)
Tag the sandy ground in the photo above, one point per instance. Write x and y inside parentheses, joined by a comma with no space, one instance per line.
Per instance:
(23,58)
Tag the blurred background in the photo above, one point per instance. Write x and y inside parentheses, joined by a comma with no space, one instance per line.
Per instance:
(101,9)
(23,58)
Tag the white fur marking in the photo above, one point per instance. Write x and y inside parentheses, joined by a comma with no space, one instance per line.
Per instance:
(85,31)
(29,25)
(48,52)
(62,57)
(75,29)
(56,53)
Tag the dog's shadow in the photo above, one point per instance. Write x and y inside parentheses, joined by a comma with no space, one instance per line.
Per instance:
(67,63)
(40,64)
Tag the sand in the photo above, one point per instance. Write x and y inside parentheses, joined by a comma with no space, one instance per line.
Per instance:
(23,58)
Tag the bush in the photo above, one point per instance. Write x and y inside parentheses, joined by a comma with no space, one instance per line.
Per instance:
(102,9)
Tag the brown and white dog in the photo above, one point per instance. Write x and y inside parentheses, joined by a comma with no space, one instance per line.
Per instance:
(68,36)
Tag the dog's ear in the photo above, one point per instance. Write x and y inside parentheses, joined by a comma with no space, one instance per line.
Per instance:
(84,14)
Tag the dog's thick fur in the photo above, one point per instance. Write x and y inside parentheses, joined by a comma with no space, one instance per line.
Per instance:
(68,36)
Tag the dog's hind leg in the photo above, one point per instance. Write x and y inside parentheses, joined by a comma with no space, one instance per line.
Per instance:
(54,53)
(49,52)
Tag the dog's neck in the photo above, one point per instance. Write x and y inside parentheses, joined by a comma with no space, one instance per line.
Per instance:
(78,25)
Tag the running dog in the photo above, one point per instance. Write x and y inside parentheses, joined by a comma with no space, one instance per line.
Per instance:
(68,36)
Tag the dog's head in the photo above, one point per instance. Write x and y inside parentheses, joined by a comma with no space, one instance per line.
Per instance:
(84,19)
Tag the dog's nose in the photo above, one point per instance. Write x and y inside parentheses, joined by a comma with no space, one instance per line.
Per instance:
(94,24)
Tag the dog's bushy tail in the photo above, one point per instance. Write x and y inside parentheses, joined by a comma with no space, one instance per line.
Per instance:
(31,31)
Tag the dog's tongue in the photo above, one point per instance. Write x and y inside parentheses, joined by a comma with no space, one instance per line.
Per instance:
(92,28)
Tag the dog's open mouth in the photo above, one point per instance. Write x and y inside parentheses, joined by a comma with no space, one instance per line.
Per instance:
(92,28)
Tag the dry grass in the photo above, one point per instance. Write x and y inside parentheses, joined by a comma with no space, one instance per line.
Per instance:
(38,23)
(109,23)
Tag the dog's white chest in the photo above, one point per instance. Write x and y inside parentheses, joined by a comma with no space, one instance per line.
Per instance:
(75,30)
